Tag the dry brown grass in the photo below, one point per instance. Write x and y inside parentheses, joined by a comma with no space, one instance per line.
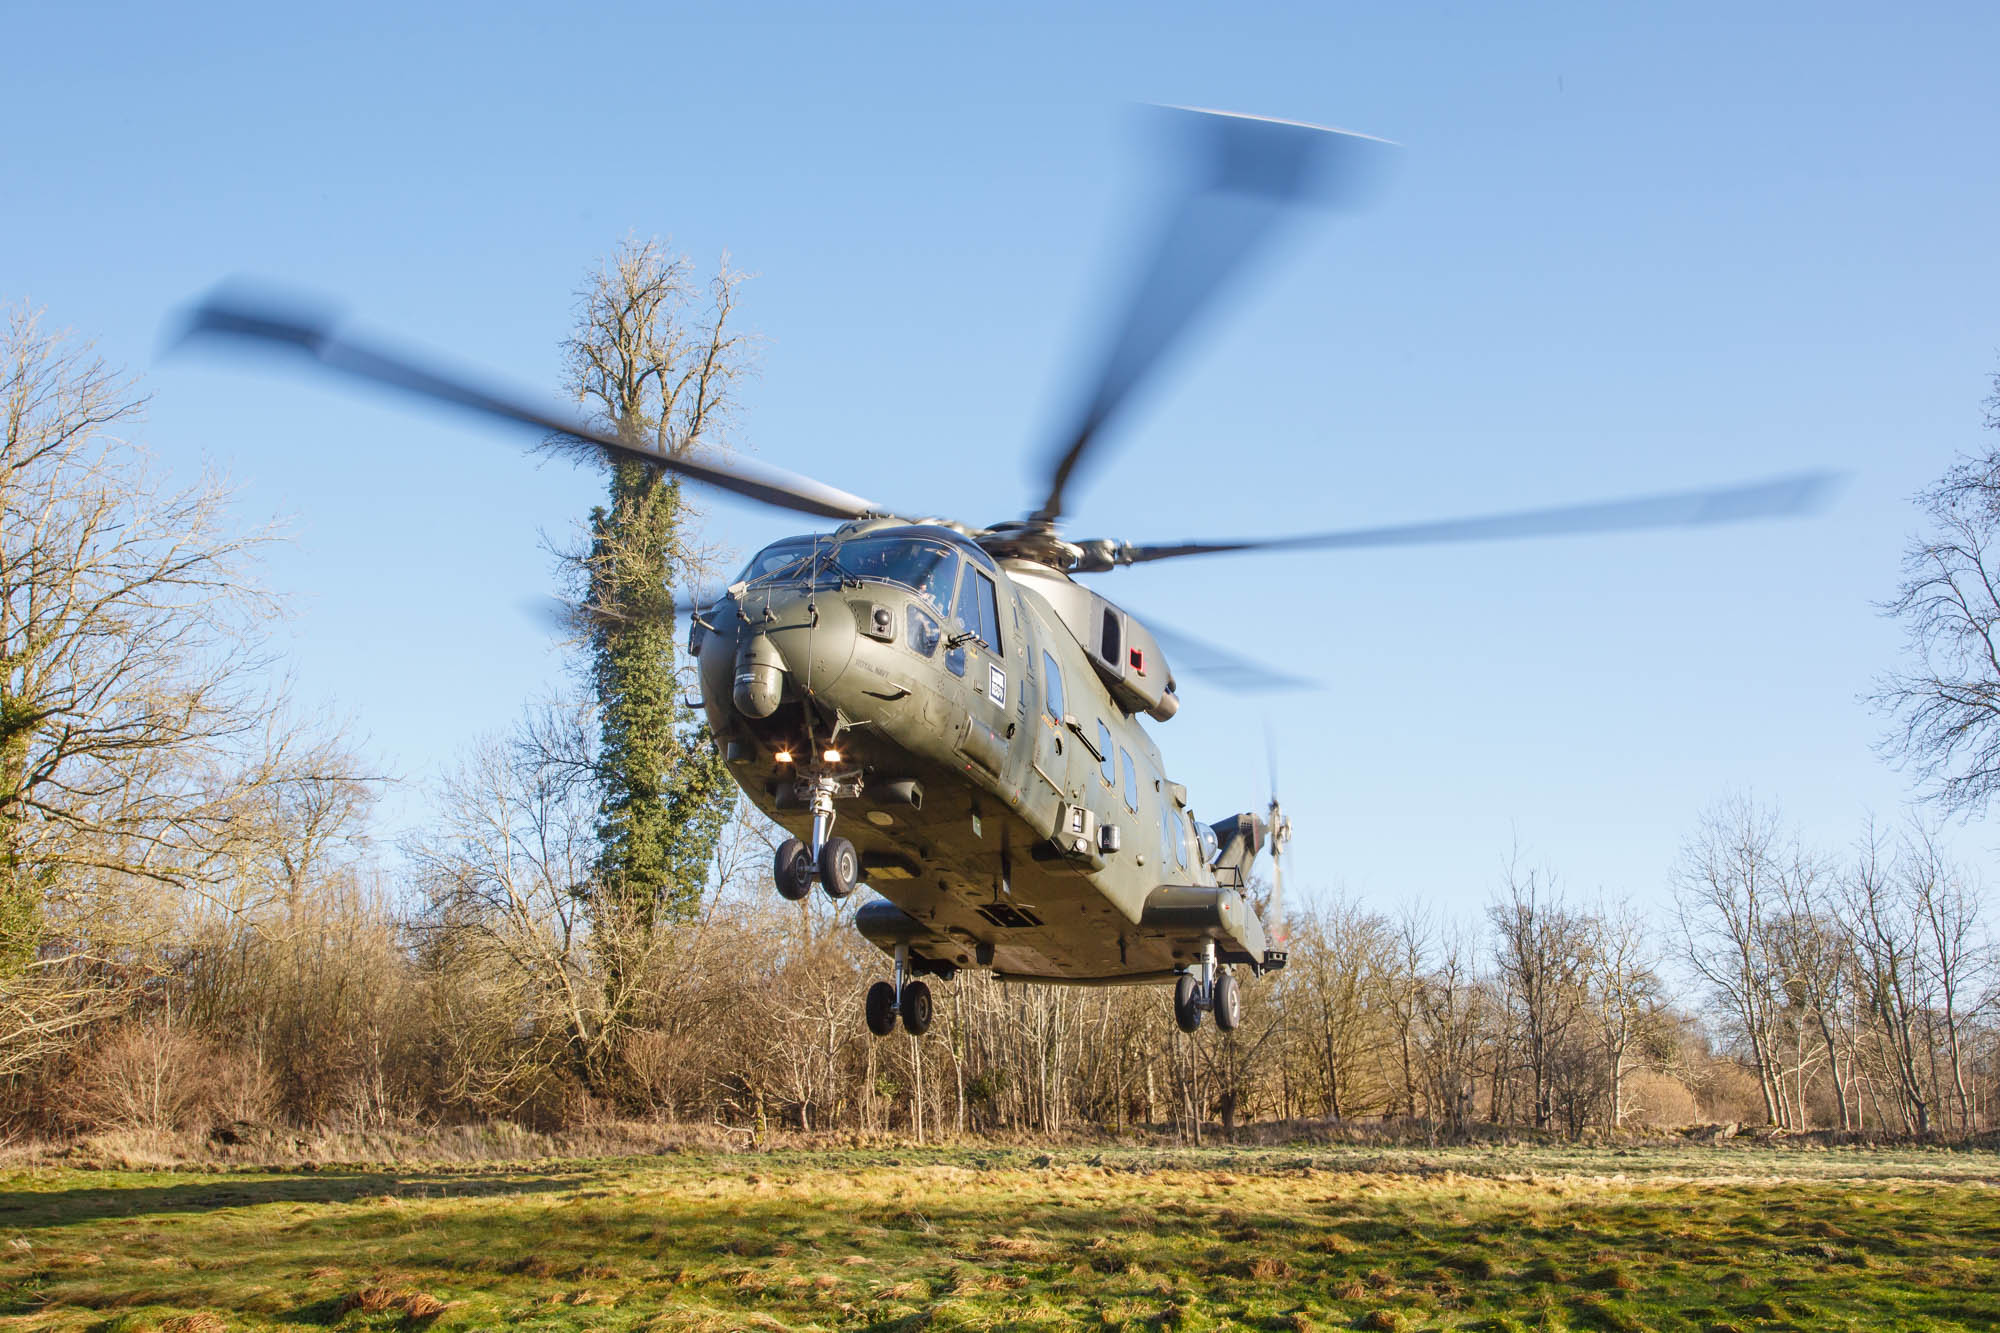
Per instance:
(391,1296)
(199,1322)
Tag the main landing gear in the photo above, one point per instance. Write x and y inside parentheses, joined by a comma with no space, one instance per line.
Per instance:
(909,999)
(831,861)
(1215,990)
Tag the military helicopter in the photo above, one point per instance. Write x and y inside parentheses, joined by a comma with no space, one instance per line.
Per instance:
(945,713)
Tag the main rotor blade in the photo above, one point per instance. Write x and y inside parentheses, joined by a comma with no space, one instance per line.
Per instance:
(277,324)
(562,617)
(1245,172)
(1782,497)
(1198,657)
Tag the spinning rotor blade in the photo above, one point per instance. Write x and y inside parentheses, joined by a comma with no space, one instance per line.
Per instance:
(1276,930)
(1781,497)
(276,324)
(1197,657)
(1247,171)
(560,616)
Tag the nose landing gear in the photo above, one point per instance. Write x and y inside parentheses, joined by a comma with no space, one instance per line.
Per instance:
(831,861)
(1214,991)
(911,1000)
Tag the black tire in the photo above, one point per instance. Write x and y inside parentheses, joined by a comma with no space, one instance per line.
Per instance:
(839,867)
(917,1008)
(1228,1002)
(1187,1002)
(793,870)
(881,1008)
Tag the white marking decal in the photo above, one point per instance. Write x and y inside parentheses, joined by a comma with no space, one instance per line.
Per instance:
(996,685)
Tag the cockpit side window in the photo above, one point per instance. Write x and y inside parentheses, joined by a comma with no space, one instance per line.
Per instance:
(1109,764)
(924,632)
(1131,776)
(1052,688)
(979,608)
(776,558)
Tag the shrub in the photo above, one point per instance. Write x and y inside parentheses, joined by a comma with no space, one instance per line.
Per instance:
(150,1075)
(1654,1100)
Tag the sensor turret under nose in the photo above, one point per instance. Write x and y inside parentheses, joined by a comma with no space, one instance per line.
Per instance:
(794,634)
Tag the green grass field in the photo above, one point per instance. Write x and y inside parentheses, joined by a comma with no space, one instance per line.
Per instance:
(1502,1239)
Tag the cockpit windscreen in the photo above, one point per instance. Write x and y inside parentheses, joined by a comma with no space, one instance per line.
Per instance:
(929,567)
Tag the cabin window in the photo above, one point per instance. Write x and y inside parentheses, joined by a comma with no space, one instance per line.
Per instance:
(1131,780)
(1052,694)
(1179,835)
(1109,763)
(979,608)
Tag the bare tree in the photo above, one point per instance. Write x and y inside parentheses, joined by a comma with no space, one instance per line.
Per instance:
(1725,888)
(1946,907)
(1450,1005)
(1544,951)
(1946,703)
(130,681)
(1814,961)
(506,876)
(1922,974)
(1627,994)
(1887,939)
(1338,973)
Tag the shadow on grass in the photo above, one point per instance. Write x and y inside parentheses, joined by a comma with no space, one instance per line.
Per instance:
(69,1207)
(325,1311)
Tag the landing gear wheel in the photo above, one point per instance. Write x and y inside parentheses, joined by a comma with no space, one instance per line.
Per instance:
(839,867)
(793,870)
(1187,1002)
(1228,1002)
(881,1008)
(917,1008)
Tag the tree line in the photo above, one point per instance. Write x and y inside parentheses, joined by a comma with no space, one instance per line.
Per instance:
(196,928)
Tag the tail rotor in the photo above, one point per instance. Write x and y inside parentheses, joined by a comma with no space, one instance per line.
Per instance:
(1276,932)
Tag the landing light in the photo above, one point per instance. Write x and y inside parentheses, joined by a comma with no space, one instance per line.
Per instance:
(783,756)
(831,756)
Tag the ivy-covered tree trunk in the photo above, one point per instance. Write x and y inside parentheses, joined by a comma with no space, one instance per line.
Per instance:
(665,793)
(657,364)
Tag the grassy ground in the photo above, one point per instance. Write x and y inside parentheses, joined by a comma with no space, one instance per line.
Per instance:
(1497,1238)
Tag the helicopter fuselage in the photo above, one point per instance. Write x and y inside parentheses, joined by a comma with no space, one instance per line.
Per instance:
(974,723)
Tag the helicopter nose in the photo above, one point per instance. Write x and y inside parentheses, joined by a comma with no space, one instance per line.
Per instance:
(807,637)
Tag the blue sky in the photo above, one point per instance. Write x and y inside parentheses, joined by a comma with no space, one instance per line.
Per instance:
(1622,251)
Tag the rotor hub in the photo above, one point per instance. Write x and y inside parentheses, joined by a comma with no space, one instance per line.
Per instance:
(1034,540)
